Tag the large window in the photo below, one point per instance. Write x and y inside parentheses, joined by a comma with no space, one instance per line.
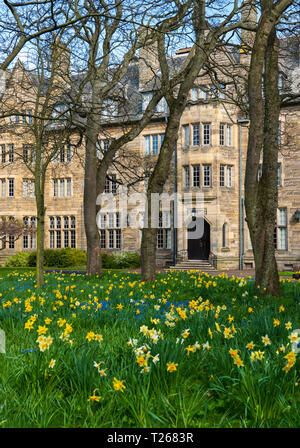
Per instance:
(226,176)
(196,176)
(110,184)
(62,232)
(11,241)
(11,188)
(164,230)
(196,134)
(206,133)
(62,188)
(222,175)
(222,134)
(206,175)
(28,188)
(11,153)
(110,230)
(152,143)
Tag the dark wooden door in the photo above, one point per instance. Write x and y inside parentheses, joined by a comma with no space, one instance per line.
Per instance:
(198,248)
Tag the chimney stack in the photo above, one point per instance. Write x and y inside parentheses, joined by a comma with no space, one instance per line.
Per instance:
(249,16)
(60,61)
(148,62)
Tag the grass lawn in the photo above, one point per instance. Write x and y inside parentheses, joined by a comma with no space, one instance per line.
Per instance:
(286,274)
(188,350)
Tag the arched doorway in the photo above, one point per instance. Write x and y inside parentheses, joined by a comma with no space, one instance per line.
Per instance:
(198,248)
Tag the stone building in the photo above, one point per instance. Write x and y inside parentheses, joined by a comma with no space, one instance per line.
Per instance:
(209,159)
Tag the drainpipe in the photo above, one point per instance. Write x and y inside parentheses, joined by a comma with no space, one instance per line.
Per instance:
(241,200)
(82,232)
(175,209)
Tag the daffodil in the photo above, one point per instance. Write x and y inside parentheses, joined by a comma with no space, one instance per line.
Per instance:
(171,366)
(266,340)
(52,363)
(90,336)
(250,345)
(118,385)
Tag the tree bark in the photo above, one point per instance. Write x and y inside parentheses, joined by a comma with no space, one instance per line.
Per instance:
(261,195)
(39,175)
(267,277)
(157,180)
(94,262)
(40,235)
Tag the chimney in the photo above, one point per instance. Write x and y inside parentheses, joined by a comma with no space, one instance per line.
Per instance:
(60,62)
(148,62)
(249,16)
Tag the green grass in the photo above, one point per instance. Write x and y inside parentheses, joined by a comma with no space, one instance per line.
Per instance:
(207,389)
(287,273)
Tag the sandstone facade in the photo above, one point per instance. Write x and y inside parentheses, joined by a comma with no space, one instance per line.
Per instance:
(211,157)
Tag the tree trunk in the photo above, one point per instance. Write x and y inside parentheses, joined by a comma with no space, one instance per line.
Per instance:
(261,196)
(40,238)
(94,262)
(156,183)
(40,250)
(267,277)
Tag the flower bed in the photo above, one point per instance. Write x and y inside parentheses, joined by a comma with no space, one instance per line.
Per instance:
(188,350)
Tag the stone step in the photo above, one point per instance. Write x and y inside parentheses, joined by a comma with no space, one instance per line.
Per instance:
(194,265)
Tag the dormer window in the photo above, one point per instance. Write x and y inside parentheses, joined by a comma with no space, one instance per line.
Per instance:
(58,111)
(110,108)
(203,93)
(147,96)
(281,80)
(161,106)
(194,94)
(222,91)
(213,92)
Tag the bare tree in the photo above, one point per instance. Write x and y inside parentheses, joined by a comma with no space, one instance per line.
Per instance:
(26,20)
(207,38)
(261,196)
(134,26)
(43,127)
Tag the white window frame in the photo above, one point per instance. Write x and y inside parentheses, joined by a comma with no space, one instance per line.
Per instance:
(11,188)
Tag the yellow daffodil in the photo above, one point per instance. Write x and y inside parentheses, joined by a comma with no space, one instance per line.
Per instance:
(171,366)
(118,385)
